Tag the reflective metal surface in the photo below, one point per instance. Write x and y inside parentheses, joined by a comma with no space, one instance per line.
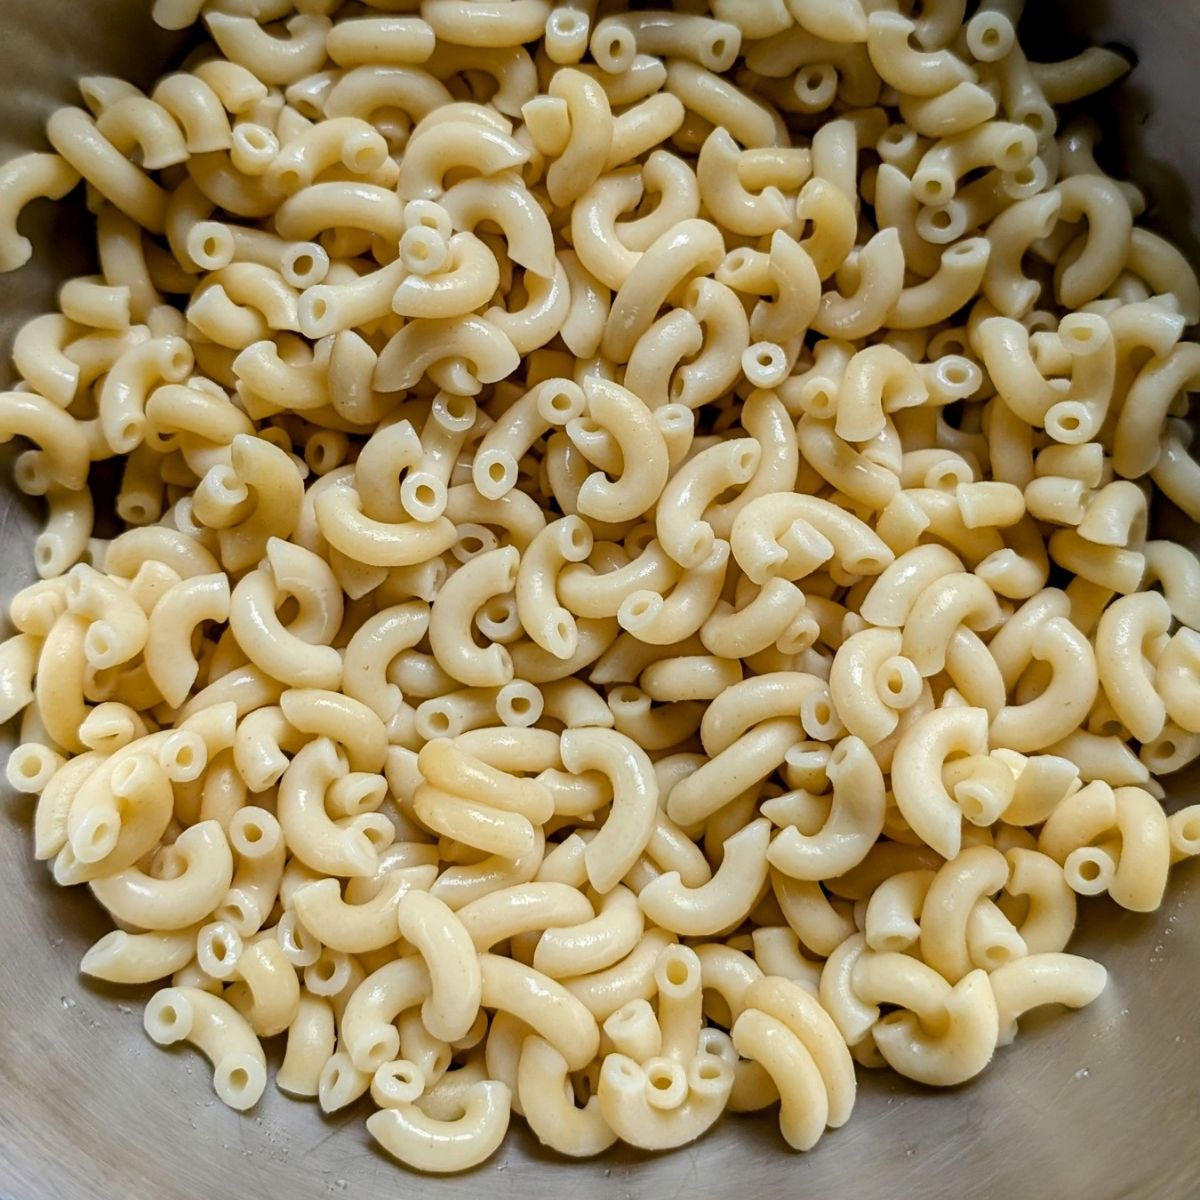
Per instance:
(1102,1104)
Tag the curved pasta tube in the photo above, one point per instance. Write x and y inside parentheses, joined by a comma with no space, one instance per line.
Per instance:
(1128,629)
(870,681)
(733,768)
(168,652)
(766,1040)
(548,1104)
(23,180)
(879,268)
(468,280)
(351,928)
(423,344)
(429,1144)
(964,1046)
(938,611)
(913,72)
(1143,416)
(956,281)
(1050,917)
(692,247)
(876,379)
(682,531)
(766,528)
(734,206)
(206,863)
(58,435)
(523,908)
(327,846)
(1177,679)
(643,452)
(920,754)
(273,60)
(219,1032)
(545,1005)
(626,833)
(854,824)
(454,972)
(1028,983)
(463,594)
(291,657)
(450,145)
(1141,873)
(1067,698)
(121,811)
(121,957)
(1106,249)
(341,520)
(723,901)
(954,891)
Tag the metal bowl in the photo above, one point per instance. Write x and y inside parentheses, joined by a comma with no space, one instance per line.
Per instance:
(1101,1104)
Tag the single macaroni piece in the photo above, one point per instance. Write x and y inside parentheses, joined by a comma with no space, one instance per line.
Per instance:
(178,1014)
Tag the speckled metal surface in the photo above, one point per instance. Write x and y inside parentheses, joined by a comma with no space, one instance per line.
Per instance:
(1100,1105)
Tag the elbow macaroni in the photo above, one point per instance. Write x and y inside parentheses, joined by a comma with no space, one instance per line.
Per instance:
(588,534)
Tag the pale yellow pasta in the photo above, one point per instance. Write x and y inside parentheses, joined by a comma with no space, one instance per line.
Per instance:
(586,553)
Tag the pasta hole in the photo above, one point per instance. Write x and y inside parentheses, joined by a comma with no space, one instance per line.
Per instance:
(677,972)
(303,264)
(997,956)
(45,555)
(709,1071)
(933,187)
(496,472)
(1024,177)
(239,1079)
(990,38)
(520,704)
(439,722)
(894,942)
(425,495)
(252,833)
(1089,870)
(661,1080)
(289,179)
(1035,122)
(318,308)
(1165,749)
(1014,152)
(940,219)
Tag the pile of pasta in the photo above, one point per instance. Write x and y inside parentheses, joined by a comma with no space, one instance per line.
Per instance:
(633,591)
